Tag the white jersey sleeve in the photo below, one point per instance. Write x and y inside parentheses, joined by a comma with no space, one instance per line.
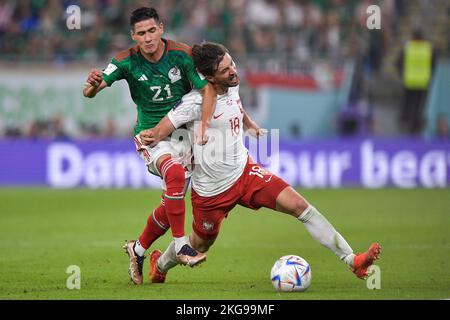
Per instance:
(189,109)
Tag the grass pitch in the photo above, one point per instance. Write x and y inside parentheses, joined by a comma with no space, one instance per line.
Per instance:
(44,231)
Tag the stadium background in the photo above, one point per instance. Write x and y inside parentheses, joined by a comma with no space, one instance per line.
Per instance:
(309,68)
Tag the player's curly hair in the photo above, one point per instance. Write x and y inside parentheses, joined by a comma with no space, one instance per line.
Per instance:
(207,57)
(143,13)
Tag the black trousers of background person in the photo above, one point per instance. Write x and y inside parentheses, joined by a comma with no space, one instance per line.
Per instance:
(412,114)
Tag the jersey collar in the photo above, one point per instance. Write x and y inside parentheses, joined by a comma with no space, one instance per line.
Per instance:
(166,49)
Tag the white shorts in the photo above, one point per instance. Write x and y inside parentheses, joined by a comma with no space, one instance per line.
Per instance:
(179,150)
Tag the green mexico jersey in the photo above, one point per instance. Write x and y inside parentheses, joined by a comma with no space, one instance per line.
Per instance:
(155,87)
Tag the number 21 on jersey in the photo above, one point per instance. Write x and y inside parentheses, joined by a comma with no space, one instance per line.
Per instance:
(157,92)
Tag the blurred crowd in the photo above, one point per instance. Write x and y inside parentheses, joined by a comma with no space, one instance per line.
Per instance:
(36,30)
(285,36)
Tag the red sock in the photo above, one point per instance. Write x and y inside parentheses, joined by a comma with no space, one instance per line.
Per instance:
(173,174)
(157,225)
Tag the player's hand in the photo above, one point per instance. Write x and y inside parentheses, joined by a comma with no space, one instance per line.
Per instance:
(149,137)
(95,78)
(257,132)
(200,137)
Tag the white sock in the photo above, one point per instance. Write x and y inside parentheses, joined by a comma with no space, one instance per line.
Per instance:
(168,259)
(139,249)
(324,233)
(179,243)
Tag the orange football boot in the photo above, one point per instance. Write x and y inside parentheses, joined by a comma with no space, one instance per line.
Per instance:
(155,275)
(364,260)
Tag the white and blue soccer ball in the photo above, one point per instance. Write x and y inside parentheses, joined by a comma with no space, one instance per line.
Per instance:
(291,273)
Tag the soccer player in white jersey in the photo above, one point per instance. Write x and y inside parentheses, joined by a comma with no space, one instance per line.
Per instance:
(225,175)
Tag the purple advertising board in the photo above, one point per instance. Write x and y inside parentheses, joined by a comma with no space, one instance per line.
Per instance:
(330,163)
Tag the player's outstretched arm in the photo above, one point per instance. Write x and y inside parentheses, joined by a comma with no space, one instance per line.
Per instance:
(208,107)
(94,83)
(162,130)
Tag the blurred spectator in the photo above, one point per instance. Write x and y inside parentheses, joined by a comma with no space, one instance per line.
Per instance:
(293,14)
(355,119)
(6,12)
(442,127)
(373,39)
(263,13)
(295,131)
(331,39)
(12,132)
(113,13)
(416,64)
(110,129)
(56,128)
(90,130)
(48,129)
(194,30)
(312,14)
(89,13)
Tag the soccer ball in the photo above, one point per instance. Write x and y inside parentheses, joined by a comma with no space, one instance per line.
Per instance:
(291,273)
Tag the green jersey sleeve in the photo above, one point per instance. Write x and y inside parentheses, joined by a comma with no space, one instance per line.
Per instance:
(197,80)
(113,72)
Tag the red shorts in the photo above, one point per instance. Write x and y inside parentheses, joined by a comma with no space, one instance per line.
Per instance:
(255,188)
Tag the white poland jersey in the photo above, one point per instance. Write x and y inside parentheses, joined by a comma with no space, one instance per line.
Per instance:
(221,161)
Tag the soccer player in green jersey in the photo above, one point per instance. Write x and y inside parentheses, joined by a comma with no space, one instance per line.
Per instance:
(159,72)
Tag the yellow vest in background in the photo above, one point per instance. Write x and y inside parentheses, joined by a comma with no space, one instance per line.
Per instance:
(417,65)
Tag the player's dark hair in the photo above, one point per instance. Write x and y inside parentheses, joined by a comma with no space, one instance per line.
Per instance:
(207,57)
(143,13)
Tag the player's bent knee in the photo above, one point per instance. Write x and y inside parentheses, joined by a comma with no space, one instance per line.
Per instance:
(163,158)
(297,205)
(199,244)
(291,202)
(300,206)
(202,247)
(175,174)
